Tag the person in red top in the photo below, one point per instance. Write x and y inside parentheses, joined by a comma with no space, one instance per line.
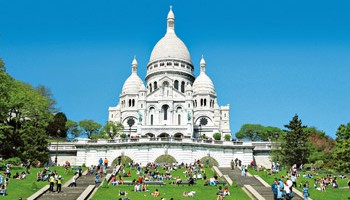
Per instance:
(140,180)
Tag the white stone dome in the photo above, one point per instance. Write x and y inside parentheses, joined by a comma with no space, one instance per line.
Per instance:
(170,46)
(203,84)
(134,83)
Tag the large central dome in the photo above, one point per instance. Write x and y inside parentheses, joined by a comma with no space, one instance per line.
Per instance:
(170,46)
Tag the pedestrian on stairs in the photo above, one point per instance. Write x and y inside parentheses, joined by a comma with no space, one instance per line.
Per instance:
(232,164)
(59,184)
(52,182)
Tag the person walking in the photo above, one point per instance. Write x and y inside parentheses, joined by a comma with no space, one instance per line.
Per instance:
(52,182)
(59,184)
(306,192)
(232,164)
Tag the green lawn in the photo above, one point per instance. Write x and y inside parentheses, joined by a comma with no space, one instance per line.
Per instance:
(169,190)
(25,188)
(340,193)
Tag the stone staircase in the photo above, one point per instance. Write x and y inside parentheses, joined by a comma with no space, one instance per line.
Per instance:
(264,191)
(72,193)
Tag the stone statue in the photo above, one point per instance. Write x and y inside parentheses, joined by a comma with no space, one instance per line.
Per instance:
(140,117)
(189,116)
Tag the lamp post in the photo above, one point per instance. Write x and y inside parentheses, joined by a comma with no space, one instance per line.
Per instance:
(58,133)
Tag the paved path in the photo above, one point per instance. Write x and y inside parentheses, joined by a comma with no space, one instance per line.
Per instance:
(264,191)
(72,193)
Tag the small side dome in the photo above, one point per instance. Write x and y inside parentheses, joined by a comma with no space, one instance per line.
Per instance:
(203,84)
(134,82)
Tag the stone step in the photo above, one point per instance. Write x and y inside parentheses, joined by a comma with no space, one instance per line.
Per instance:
(67,193)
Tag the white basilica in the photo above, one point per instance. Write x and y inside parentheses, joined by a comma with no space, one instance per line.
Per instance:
(173,103)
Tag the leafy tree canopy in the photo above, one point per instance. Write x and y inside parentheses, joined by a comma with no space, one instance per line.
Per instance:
(257,132)
(89,127)
(112,130)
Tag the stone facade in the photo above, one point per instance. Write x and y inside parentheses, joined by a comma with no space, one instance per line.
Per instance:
(172,102)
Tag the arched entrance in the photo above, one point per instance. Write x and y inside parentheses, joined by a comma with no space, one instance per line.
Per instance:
(209,161)
(150,135)
(178,135)
(163,135)
(165,159)
(121,160)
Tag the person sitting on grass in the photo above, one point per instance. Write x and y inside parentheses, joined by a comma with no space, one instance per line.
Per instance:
(3,190)
(156,193)
(226,192)
(114,181)
(212,181)
(121,180)
(122,193)
(144,187)
(23,176)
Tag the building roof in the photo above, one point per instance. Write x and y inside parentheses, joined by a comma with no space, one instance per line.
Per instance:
(170,46)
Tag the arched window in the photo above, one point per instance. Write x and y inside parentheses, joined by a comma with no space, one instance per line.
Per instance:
(182,86)
(133,102)
(205,102)
(129,102)
(151,111)
(155,85)
(179,119)
(150,87)
(201,102)
(176,84)
(165,111)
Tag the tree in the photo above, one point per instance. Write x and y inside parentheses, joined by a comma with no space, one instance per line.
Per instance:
(342,150)
(295,147)
(227,137)
(46,92)
(112,129)
(27,117)
(89,127)
(257,132)
(217,136)
(58,123)
(321,146)
(73,129)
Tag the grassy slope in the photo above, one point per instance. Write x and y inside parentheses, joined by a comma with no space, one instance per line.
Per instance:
(24,188)
(341,193)
(169,190)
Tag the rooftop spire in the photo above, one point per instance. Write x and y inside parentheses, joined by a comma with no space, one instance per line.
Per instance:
(134,65)
(202,64)
(171,20)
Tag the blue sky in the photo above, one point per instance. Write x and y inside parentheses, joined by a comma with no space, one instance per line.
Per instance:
(268,59)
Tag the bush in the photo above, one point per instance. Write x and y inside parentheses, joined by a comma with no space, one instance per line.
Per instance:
(217,136)
(13,161)
(123,136)
(319,164)
(227,137)
(307,166)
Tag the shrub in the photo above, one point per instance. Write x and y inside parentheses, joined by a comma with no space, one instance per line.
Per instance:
(307,166)
(217,136)
(319,164)
(227,137)
(123,136)
(13,161)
